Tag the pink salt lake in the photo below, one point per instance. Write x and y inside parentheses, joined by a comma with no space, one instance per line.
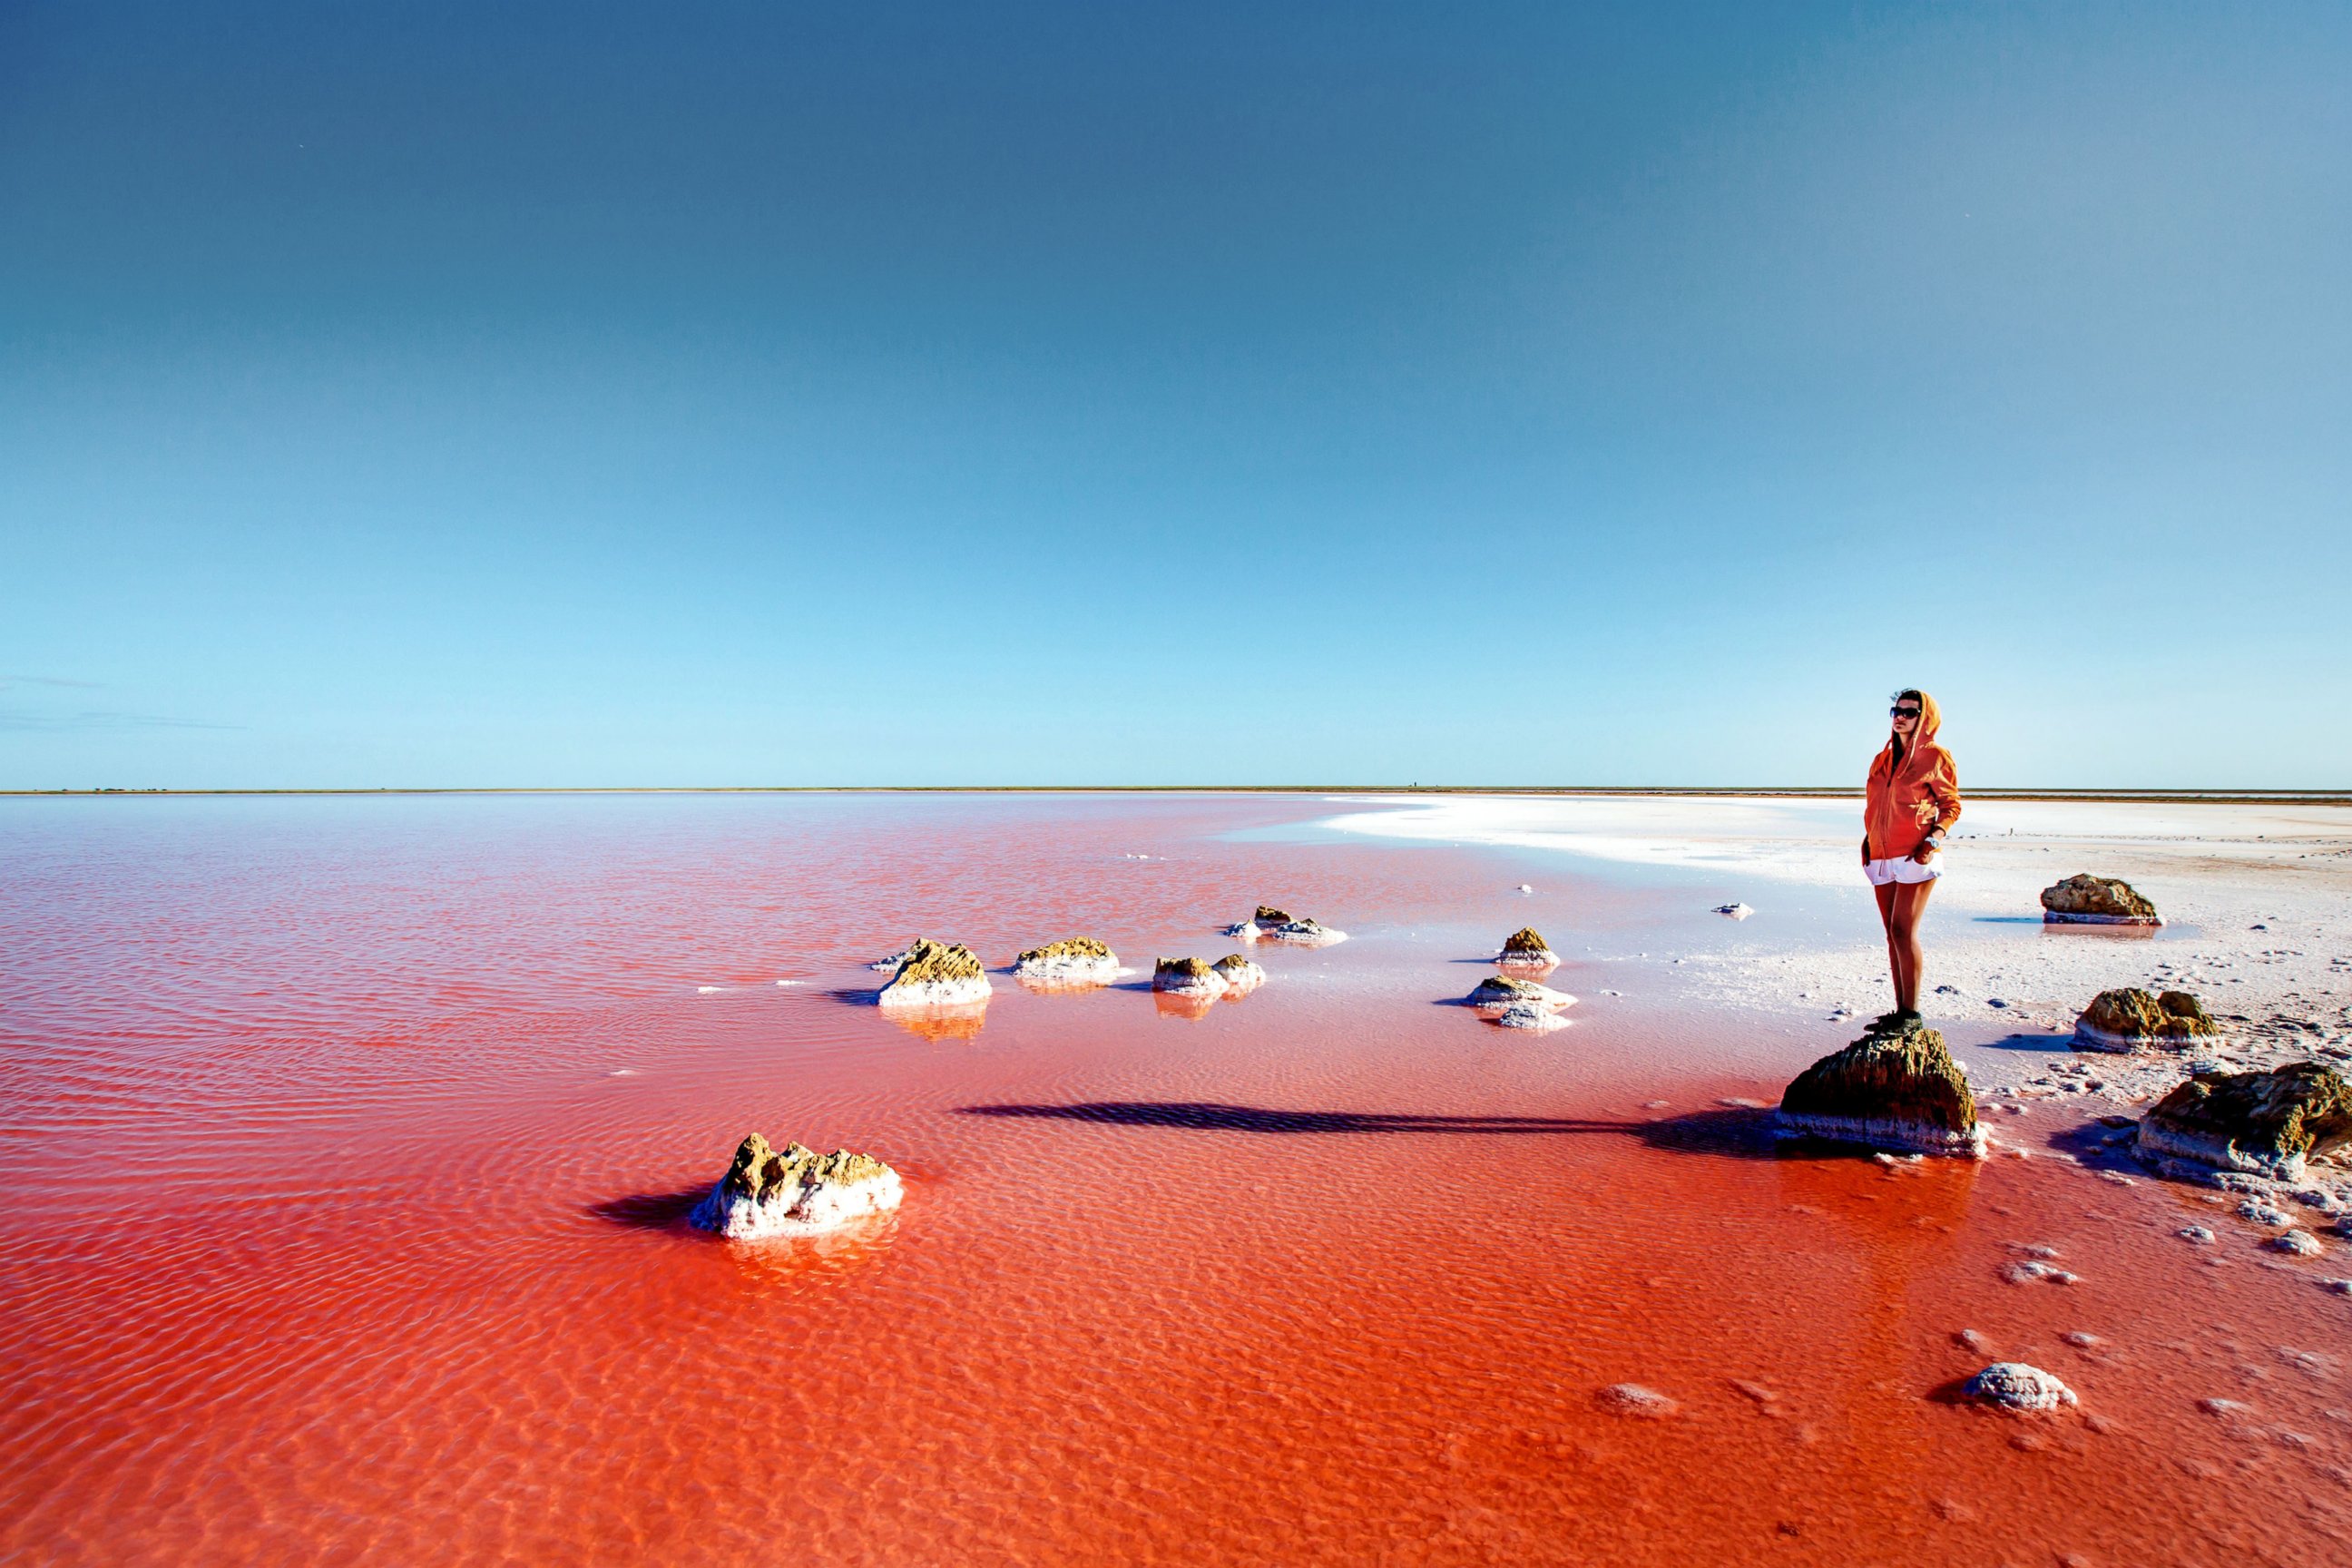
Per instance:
(347,1143)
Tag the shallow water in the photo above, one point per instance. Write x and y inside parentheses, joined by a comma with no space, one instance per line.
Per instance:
(347,1144)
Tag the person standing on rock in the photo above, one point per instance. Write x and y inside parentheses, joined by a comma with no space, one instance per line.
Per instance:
(1912,800)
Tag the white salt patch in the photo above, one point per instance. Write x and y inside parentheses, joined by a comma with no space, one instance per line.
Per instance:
(709,990)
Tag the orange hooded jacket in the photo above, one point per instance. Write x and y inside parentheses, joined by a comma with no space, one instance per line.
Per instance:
(1902,805)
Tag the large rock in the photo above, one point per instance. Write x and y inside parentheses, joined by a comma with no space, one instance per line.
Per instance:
(1187,977)
(1075,961)
(794,1190)
(2264,1123)
(2130,1019)
(1527,946)
(1239,974)
(1895,1088)
(936,975)
(1497,991)
(2085,900)
(2014,1385)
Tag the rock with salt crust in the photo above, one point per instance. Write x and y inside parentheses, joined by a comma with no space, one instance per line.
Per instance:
(2085,900)
(2131,1019)
(2268,1124)
(1896,1087)
(794,1190)
(1527,946)
(1073,960)
(2014,1385)
(936,974)
(1187,977)
(1497,991)
(1239,974)
(1535,1016)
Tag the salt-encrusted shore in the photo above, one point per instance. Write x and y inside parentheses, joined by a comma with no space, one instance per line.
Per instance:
(2258,901)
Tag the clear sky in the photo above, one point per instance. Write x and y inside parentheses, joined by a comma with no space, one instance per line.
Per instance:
(697,392)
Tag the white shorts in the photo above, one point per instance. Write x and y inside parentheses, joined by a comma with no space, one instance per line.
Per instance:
(1905,870)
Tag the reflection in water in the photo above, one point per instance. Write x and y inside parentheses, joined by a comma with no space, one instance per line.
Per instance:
(961,1022)
(1181,1005)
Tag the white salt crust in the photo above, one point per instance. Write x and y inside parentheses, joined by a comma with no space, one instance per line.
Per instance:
(1496,1002)
(2160,1147)
(1244,976)
(1209,985)
(2053,917)
(1297,933)
(2089,1036)
(935,993)
(803,1211)
(1541,958)
(1530,1015)
(1885,1132)
(2014,1385)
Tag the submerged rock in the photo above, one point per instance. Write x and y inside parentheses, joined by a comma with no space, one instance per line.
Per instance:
(936,975)
(1187,977)
(794,1190)
(1737,912)
(2014,1385)
(1238,972)
(2265,1122)
(1072,961)
(1895,1088)
(1499,990)
(2130,1019)
(2085,900)
(1633,1399)
(1527,946)
(1535,1016)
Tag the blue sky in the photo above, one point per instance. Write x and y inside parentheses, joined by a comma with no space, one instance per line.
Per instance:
(502,395)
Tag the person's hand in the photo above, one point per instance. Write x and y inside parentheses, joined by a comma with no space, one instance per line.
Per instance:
(1866,851)
(1926,850)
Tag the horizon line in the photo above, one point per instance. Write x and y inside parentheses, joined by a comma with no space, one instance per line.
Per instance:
(2183,796)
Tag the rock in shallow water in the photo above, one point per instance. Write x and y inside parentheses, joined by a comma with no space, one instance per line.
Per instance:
(1895,1088)
(936,975)
(1239,974)
(1535,1016)
(1633,1399)
(2084,898)
(2265,1122)
(794,1190)
(1500,991)
(1187,977)
(2014,1385)
(1079,960)
(1270,924)
(2130,1019)
(1527,946)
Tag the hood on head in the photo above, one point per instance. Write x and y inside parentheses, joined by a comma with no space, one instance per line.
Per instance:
(1931,719)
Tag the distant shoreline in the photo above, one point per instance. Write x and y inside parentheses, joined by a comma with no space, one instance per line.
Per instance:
(1760,791)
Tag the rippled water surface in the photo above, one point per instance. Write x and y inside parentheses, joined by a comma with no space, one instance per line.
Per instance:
(347,1143)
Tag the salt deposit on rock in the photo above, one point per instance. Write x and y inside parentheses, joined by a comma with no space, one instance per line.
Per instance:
(887,964)
(1270,924)
(794,1191)
(1239,974)
(1535,1016)
(1737,912)
(1895,1088)
(2301,1242)
(1187,977)
(1632,1399)
(2014,1385)
(1526,947)
(2085,900)
(2131,1019)
(2263,1212)
(2031,1271)
(2265,1122)
(1497,991)
(936,974)
(2195,1233)
(1073,960)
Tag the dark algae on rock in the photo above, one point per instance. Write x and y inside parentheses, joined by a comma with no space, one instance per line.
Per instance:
(1895,1088)
(2268,1124)
(1525,942)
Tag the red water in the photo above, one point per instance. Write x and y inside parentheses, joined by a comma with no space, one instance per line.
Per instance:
(333,1234)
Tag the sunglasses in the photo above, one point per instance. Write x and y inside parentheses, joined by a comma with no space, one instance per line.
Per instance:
(1903,712)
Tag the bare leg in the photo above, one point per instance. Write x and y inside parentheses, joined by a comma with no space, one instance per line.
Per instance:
(1910,902)
(1894,954)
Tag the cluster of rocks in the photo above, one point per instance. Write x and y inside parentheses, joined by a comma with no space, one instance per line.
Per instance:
(1896,1087)
(2085,900)
(1230,976)
(794,1190)
(1271,924)
(1517,1002)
